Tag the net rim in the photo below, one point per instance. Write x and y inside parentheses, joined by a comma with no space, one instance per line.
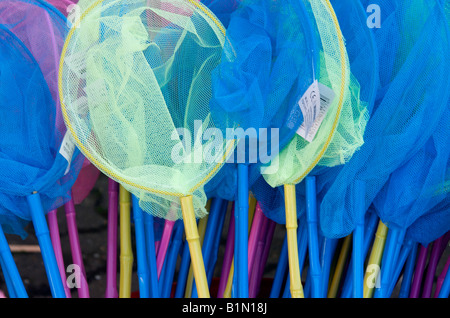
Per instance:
(341,94)
(87,154)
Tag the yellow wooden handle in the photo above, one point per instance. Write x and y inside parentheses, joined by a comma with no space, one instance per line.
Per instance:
(345,250)
(195,248)
(190,279)
(373,266)
(126,252)
(291,232)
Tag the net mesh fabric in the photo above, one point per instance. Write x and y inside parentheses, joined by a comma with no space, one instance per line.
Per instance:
(298,158)
(42,29)
(430,215)
(136,81)
(88,175)
(26,149)
(363,82)
(35,126)
(274,60)
(418,186)
(413,79)
(222,9)
(432,224)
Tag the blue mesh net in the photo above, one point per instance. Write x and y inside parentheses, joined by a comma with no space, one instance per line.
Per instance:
(31,137)
(222,9)
(418,192)
(269,61)
(363,58)
(413,80)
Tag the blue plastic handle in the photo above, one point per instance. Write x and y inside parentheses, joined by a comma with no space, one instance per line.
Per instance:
(408,273)
(370,228)
(399,266)
(389,258)
(358,240)
(162,278)
(313,237)
(280,273)
(445,288)
(151,254)
(328,248)
(143,271)
(8,280)
(211,229)
(241,241)
(171,259)
(45,243)
(183,272)
(213,259)
(14,282)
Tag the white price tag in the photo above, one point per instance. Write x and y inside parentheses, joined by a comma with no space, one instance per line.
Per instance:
(67,149)
(314,105)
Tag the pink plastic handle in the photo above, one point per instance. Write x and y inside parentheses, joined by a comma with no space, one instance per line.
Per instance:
(228,257)
(267,244)
(431,271)
(163,245)
(56,242)
(111,258)
(418,273)
(254,237)
(258,269)
(77,258)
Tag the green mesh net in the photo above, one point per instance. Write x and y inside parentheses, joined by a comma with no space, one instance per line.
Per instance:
(341,131)
(135,79)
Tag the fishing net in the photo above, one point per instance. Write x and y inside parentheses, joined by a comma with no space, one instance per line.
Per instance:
(88,175)
(23,92)
(416,195)
(357,98)
(413,76)
(224,183)
(136,81)
(35,126)
(431,225)
(275,59)
(299,157)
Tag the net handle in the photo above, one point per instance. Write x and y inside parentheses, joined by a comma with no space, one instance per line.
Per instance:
(375,259)
(193,239)
(126,251)
(290,203)
(291,232)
